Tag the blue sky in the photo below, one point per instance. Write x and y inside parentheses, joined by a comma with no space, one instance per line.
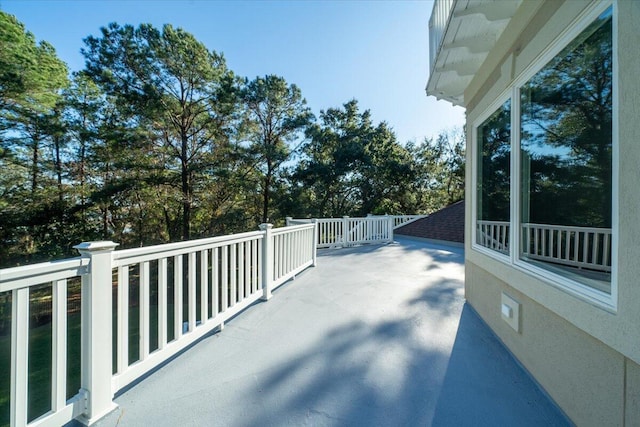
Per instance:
(374,51)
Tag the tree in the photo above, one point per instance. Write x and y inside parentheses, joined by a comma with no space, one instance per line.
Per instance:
(567,136)
(276,116)
(179,91)
(32,78)
(349,166)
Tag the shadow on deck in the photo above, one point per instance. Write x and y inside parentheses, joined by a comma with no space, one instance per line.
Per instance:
(373,336)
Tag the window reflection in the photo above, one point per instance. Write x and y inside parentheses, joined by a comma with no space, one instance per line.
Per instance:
(494,139)
(566,147)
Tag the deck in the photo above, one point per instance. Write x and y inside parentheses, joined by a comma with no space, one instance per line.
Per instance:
(375,335)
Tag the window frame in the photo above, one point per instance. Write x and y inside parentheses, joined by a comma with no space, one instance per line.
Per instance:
(608,301)
(488,112)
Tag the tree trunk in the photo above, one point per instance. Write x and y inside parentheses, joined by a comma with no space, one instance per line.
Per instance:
(34,166)
(186,189)
(266,197)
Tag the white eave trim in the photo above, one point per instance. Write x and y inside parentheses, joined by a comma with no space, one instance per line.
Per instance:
(471,31)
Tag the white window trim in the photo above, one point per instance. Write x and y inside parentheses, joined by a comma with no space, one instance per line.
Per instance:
(607,301)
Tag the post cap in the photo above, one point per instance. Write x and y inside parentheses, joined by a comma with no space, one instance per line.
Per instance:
(102,245)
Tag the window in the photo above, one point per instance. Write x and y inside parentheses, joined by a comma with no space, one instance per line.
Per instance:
(565,160)
(493,138)
(552,214)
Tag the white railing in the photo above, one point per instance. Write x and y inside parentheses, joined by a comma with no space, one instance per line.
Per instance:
(438,22)
(493,235)
(581,247)
(164,298)
(400,220)
(293,251)
(348,231)
(372,229)
(19,282)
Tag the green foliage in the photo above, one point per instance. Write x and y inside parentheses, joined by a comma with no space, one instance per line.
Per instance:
(567,138)
(30,73)
(156,140)
(276,114)
(175,90)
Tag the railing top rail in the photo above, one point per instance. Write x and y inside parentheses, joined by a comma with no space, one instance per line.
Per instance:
(170,249)
(29,275)
(330,219)
(291,228)
(489,222)
(567,227)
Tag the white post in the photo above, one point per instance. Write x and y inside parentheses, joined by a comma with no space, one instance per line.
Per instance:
(267,262)
(96,330)
(288,219)
(390,225)
(315,242)
(345,231)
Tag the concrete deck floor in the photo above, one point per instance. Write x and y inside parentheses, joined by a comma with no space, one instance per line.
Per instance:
(372,336)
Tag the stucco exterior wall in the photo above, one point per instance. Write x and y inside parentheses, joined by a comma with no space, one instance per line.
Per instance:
(584,355)
(581,374)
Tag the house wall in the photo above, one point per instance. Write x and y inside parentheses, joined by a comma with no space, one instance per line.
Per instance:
(584,354)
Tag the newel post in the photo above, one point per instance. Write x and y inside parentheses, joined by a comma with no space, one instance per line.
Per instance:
(315,242)
(267,261)
(390,225)
(345,231)
(288,219)
(96,365)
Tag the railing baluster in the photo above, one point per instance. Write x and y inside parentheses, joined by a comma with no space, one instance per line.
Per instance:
(144,310)
(241,293)
(162,303)
(177,298)
(606,250)
(255,273)
(225,278)
(123,318)
(59,345)
(279,258)
(596,245)
(286,240)
(19,355)
(191,298)
(204,285)
(233,274)
(215,281)
(247,268)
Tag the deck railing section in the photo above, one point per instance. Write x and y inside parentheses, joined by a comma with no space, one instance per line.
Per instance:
(400,220)
(493,235)
(169,296)
(293,251)
(581,247)
(348,231)
(21,283)
(142,306)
